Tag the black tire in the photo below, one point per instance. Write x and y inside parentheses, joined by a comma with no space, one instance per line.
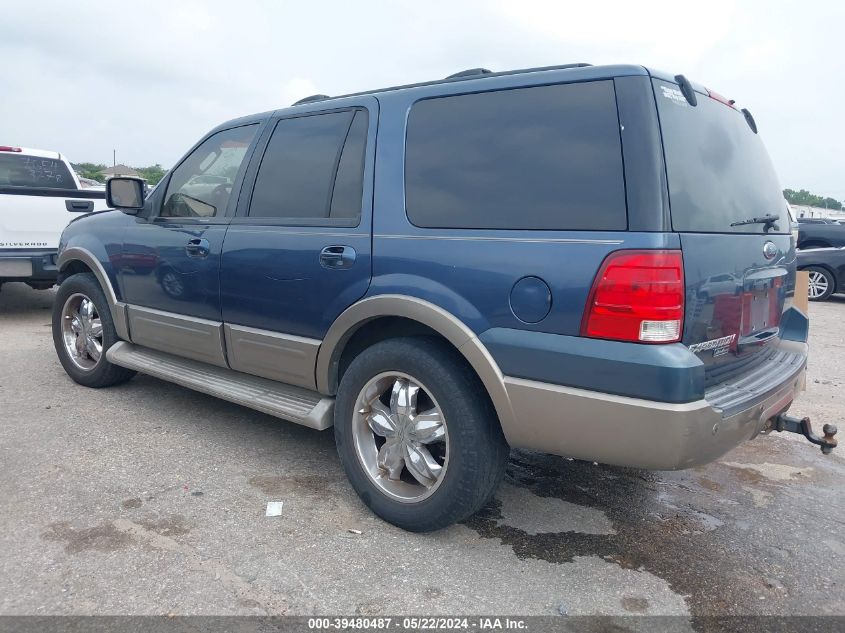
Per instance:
(104,373)
(828,277)
(478,451)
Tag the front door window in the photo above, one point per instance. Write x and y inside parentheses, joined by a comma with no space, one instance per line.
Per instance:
(201,186)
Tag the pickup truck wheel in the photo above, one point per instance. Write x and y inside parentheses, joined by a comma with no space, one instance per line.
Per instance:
(417,435)
(82,332)
(821,284)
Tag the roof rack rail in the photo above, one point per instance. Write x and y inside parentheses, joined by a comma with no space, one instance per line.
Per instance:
(311,98)
(470,72)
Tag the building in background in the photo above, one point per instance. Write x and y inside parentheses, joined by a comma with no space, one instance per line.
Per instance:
(120,170)
(805,211)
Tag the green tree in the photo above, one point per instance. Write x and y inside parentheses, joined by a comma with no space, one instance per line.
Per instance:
(94,171)
(810,199)
(830,203)
(151,174)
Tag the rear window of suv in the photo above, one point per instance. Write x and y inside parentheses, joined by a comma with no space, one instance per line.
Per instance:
(718,170)
(19,170)
(544,158)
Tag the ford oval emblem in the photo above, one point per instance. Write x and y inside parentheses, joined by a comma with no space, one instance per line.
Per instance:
(770,250)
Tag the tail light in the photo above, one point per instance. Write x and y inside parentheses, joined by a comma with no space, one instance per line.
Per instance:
(7,148)
(637,296)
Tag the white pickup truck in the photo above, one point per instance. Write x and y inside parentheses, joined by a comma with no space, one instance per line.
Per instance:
(39,195)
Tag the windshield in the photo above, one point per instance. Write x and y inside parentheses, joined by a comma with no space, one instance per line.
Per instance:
(718,170)
(17,170)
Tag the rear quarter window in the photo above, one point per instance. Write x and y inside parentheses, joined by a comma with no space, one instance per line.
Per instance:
(18,170)
(542,158)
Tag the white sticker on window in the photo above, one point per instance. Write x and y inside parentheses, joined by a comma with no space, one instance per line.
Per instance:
(674,95)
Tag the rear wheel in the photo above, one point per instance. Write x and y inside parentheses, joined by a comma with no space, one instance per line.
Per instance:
(417,435)
(83,330)
(821,284)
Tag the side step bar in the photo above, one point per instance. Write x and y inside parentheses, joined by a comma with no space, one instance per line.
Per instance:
(295,404)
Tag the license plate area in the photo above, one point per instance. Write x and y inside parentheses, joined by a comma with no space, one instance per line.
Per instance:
(15,267)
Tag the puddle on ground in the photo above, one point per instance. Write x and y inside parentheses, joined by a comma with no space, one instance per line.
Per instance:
(104,537)
(523,510)
(638,520)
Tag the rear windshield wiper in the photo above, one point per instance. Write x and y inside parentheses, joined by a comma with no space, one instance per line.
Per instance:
(768,221)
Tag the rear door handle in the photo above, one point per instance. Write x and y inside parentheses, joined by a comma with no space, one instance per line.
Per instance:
(79,206)
(197,247)
(337,257)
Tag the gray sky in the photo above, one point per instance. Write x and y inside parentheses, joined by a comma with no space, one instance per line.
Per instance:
(85,77)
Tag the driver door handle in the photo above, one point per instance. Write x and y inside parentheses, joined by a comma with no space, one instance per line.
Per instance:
(197,247)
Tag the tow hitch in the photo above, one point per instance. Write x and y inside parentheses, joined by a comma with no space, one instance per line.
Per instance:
(785,422)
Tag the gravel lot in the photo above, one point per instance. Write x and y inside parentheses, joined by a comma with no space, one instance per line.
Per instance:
(149,499)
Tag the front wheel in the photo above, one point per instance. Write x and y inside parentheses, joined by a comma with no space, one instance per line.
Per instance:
(83,330)
(821,283)
(417,435)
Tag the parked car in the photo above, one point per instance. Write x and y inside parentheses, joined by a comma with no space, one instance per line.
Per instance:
(90,183)
(446,270)
(38,193)
(803,220)
(820,233)
(827,271)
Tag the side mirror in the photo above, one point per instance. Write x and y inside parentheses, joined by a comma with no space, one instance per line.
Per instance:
(126,194)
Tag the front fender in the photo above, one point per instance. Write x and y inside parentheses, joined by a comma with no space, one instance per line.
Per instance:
(96,242)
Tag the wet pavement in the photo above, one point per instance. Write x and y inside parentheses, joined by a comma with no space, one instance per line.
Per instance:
(149,499)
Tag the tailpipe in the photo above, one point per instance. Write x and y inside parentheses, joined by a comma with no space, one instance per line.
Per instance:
(802,426)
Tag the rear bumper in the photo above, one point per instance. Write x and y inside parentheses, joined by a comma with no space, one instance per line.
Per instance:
(639,433)
(39,265)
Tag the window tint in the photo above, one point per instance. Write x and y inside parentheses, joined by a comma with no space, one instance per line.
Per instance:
(312,168)
(533,158)
(202,184)
(34,171)
(718,169)
(349,184)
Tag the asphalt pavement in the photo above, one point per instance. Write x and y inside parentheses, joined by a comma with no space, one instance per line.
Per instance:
(148,498)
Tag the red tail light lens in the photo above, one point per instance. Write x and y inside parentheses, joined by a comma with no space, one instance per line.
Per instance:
(7,148)
(637,296)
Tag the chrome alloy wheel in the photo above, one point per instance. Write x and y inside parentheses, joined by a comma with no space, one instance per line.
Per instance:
(818,284)
(82,332)
(400,437)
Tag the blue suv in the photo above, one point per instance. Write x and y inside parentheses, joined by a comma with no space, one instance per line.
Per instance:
(590,261)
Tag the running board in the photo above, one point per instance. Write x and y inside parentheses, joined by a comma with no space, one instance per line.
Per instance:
(295,404)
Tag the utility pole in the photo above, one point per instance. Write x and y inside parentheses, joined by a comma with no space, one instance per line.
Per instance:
(114,158)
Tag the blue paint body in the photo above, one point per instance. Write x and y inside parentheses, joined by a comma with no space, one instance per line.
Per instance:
(265,275)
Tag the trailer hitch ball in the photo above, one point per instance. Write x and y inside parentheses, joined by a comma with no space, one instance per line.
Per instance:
(830,442)
(802,426)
